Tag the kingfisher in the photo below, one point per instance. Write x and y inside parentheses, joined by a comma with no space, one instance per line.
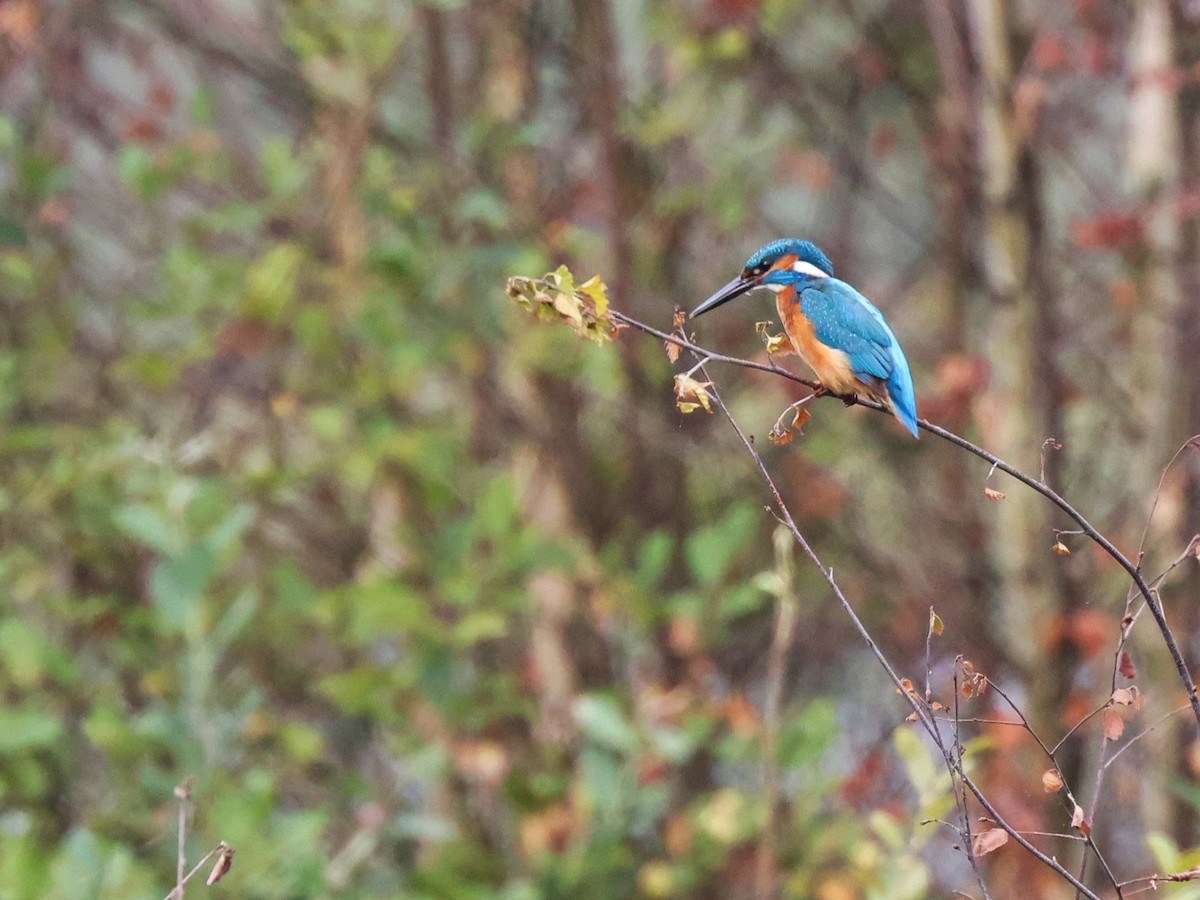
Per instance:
(837,331)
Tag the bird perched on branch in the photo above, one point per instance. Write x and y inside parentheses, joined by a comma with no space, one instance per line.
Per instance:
(834,328)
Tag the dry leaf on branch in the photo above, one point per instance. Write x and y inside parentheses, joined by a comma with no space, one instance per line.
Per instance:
(974,683)
(1129,696)
(1126,666)
(555,296)
(1078,822)
(1052,781)
(1061,549)
(691,395)
(780,437)
(777,344)
(993,494)
(936,626)
(1114,725)
(222,866)
(984,842)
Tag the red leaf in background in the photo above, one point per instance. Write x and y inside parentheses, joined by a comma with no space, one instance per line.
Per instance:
(1126,667)
(961,373)
(960,378)
(1187,205)
(1193,757)
(53,213)
(871,63)
(861,784)
(1050,52)
(144,130)
(1097,54)
(18,22)
(243,337)
(1107,230)
(1087,631)
(730,13)
(162,97)
(818,492)
(651,769)
(743,718)
(1124,294)
(808,167)
(884,139)
(548,830)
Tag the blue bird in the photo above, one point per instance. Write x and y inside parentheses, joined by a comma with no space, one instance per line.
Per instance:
(834,328)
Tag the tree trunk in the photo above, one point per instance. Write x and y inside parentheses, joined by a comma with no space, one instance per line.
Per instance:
(1021,403)
(1184,405)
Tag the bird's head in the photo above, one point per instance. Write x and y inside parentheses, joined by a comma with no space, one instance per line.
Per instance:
(779,263)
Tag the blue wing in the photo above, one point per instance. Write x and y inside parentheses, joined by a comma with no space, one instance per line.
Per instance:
(844,319)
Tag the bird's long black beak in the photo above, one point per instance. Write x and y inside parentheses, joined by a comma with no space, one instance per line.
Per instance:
(735,288)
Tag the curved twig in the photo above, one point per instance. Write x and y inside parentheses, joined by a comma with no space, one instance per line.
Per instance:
(784,516)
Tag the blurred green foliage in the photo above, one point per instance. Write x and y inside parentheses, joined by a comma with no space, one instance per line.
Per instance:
(359,727)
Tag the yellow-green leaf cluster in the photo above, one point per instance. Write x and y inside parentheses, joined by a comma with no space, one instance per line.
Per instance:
(691,395)
(556,297)
(776,344)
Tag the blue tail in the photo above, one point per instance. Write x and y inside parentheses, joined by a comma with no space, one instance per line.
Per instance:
(900,390)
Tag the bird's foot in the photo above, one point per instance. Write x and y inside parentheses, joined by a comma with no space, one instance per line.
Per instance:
(821,391)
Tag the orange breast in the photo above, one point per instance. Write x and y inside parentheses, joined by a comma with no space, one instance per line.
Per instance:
(832,366)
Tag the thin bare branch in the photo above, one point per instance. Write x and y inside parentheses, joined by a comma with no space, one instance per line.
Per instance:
(177,891)
(1141,734)
(784,516)
(1151,599)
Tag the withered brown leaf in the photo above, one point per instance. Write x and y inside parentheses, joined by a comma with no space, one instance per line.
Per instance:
(984,842)
(1051,781)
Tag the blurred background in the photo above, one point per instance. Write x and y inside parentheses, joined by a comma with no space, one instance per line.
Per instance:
(432,601)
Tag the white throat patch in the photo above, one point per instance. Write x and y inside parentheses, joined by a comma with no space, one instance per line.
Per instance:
(808,268)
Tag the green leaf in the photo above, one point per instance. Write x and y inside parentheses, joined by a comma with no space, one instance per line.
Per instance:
(27,729)
(479,626)
(601,719)
(270,283)
(12,232)
(147,525)
(178,585)
(228,532)
(710,550)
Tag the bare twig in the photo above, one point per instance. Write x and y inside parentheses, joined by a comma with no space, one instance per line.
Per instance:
(1066,789)
(1051,444)
(1141,734)
(781,646)
(1153,881)
(183,792)
(960,800)
(177,891)
(784,516)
